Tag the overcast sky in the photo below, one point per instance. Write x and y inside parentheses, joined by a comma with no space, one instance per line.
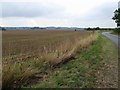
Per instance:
(66,13)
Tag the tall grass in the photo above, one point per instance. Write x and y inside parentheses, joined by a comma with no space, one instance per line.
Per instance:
(28,52)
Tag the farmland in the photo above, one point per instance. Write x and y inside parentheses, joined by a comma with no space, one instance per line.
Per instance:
(26,53)
(55,59)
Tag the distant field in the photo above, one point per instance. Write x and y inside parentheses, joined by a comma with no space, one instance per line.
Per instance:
(21,45)
(28,52)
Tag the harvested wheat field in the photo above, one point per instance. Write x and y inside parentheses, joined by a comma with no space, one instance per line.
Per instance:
(26,53)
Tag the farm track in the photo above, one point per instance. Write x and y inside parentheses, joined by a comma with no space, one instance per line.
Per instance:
(114,38)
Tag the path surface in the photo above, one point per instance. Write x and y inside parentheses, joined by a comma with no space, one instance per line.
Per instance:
(115,39)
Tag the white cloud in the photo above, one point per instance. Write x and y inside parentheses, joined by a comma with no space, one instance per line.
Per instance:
(81,13)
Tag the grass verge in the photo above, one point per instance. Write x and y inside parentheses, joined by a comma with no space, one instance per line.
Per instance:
(116,31)
(91,69)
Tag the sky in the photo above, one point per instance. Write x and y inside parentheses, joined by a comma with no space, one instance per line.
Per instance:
(58,13)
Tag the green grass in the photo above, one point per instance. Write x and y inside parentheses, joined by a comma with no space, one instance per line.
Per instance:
(112,32)
(81,72)
(116,31)
(107,75)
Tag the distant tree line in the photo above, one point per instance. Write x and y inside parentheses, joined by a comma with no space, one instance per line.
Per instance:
(98,28)
(37,28)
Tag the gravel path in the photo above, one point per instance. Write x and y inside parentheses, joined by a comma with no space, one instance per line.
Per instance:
(115,39)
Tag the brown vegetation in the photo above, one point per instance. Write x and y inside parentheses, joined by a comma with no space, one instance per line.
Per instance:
(27,52)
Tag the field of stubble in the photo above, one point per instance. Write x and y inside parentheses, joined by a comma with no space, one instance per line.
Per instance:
(26,53)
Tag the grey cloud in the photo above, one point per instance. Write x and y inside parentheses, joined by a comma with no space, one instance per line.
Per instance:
(101,13)
(99,16)
(29,9)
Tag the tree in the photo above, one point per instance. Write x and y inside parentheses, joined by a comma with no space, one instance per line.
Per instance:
(97,28)
(89,28)
(3,29)
(117,20)
(117,16)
